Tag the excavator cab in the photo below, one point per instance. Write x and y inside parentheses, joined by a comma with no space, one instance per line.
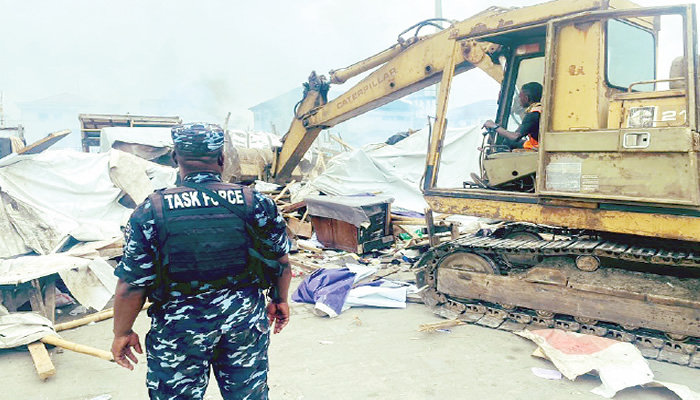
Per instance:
(614,125)
(503,163)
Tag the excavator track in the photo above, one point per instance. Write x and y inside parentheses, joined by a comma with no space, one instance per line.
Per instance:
(525,276)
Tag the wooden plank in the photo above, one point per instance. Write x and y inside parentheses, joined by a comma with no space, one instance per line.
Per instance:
(309,248)
(293,207)
(35,298)
(431,227)
(43,144)
(566,300)
(50,299)
(299,228)
(306,266)
(9,296)
(42,360)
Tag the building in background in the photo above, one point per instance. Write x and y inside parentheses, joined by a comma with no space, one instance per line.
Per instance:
(55,113)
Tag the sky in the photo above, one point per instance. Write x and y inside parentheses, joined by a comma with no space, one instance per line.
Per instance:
(213,56)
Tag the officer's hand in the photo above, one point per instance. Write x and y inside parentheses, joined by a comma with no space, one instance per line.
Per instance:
(121,349)
(279,314)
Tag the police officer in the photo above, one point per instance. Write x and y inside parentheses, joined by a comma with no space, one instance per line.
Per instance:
(201,252)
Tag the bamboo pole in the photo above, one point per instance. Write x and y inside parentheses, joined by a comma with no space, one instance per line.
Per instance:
(96,317)
(78,348)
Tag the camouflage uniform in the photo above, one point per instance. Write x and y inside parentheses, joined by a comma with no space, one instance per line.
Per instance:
(222,328)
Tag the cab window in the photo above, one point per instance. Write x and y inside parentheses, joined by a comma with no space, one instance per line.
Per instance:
(631,56)
(529,70)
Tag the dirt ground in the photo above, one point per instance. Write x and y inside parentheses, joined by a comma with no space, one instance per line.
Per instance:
(364,353)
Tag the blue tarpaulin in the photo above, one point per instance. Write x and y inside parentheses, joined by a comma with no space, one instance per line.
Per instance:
(327,289)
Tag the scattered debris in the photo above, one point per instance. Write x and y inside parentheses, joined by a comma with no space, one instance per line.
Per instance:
(436,326)
(619,365)
(102,397)
(551,374)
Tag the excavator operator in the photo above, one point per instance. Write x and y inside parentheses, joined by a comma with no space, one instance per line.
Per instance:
(529,96)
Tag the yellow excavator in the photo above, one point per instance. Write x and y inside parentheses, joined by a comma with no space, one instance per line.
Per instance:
(601,230)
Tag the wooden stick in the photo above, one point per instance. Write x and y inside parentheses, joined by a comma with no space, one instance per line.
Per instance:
(431,227)
(78,348)
(342,143)
(440,325)
(309,248)
(50,300)
(306,214)
(305,266)
(42,360)
(96,317)
(284,190)
(36,299)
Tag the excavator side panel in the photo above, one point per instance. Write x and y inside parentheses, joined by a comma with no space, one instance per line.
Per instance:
(570,214)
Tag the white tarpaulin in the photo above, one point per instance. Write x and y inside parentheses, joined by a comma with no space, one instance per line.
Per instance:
(253,140)
(50,195)
(153,136)
(90,281)
(397,170)
(23,328)
(93,284)
(70,191)
(138,177)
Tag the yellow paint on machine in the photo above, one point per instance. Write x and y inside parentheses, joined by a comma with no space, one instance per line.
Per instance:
(666,226)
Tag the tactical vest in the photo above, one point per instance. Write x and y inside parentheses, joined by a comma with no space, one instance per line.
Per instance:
(201,241)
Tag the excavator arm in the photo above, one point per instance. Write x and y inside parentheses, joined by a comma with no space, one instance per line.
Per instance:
(408,66)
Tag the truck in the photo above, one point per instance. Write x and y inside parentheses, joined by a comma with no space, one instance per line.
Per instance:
(601,223)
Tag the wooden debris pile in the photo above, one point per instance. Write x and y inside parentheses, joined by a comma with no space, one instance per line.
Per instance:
(412,236)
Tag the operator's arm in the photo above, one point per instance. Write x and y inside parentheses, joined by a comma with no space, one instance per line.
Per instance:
(136,273)
(503,131)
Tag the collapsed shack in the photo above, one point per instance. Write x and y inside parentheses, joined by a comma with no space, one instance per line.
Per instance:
(61,219)
(91,125)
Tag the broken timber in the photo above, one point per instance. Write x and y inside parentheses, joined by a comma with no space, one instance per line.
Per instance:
(42,360)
